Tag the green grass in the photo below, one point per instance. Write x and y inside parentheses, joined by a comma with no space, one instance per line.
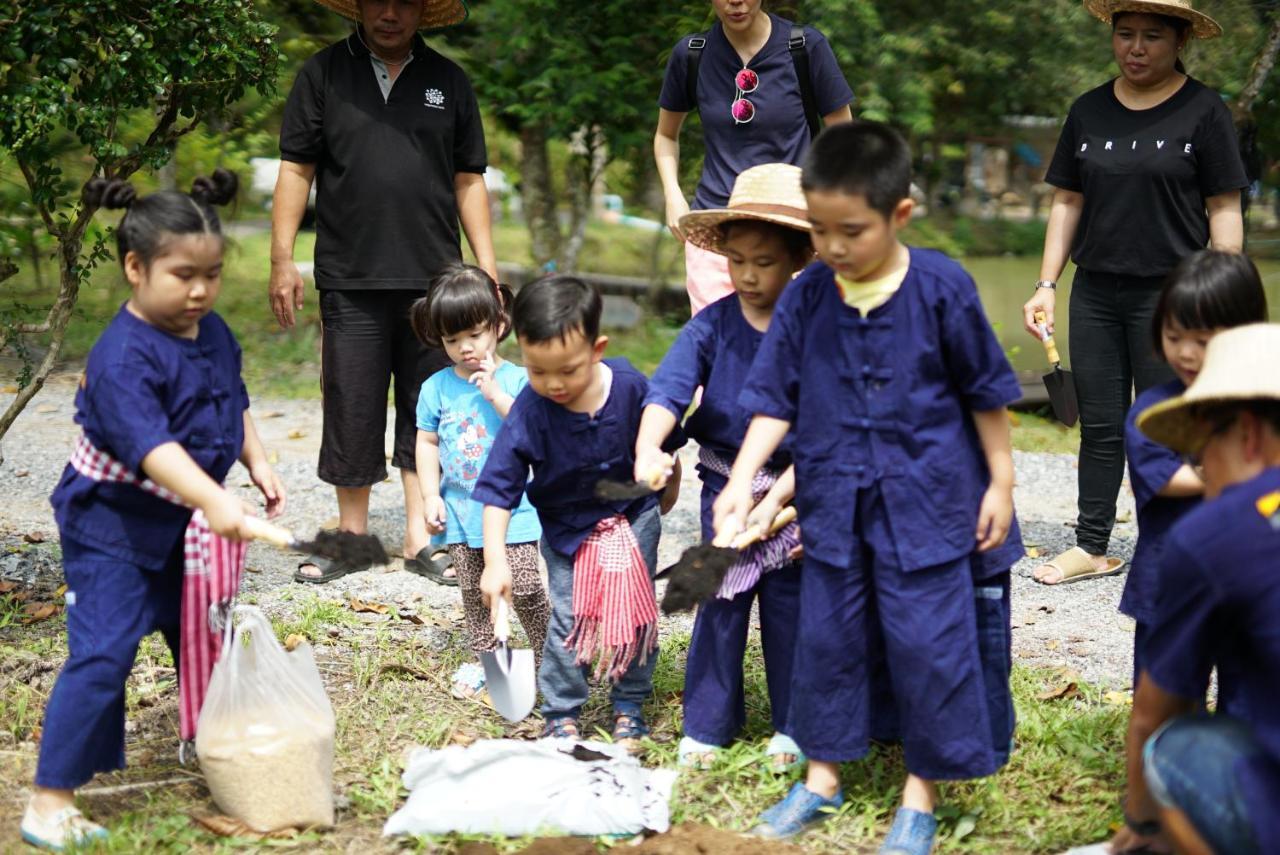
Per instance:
(388,682)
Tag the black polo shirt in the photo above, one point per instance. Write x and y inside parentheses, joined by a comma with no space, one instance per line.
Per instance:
(386,211)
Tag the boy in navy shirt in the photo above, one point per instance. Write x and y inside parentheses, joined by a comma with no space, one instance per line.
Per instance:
(883,362)
(574,425)
(1212,783)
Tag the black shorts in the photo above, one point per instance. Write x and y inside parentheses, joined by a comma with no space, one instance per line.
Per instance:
(366,342)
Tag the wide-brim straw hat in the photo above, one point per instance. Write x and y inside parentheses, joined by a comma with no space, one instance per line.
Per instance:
(436,14)
(1202,26)
(769,192)
(1240,364)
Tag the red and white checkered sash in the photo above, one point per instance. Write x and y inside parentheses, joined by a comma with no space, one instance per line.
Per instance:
(211,566)
(615,614)
(764,555)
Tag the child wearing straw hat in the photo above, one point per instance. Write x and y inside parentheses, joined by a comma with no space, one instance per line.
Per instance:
(764,236)
(1211,783)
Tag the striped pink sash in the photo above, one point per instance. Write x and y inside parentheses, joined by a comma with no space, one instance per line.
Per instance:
(212,566)
(615,613)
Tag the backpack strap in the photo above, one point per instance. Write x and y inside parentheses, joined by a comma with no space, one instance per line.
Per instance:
(693,60)
(800,58)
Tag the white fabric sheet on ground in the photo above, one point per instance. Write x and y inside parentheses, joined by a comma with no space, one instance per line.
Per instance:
(553,786)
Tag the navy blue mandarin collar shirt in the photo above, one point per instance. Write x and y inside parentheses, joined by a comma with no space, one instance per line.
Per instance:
(142,388)
(885,398)
(1219,602)
(1151,465)
(715,351)
(568,454)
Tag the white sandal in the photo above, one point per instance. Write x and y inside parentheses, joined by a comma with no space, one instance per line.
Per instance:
(692,754)
(67,827)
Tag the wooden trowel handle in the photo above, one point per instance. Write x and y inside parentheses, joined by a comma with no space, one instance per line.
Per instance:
(270,532)
(1050,347)
(502,623)
(754,535)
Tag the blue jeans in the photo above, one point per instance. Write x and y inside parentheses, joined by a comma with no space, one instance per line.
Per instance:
(1190,766)
(563,683)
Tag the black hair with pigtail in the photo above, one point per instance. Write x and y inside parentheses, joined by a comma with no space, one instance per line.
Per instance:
(462,297)
(151,221)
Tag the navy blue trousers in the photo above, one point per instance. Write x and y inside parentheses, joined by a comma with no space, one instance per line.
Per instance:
(111,606)
(929,619)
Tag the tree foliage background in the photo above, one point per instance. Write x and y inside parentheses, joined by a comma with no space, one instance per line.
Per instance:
(166,89)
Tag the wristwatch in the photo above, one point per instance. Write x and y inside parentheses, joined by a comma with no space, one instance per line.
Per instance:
(1047,283)
(1146,828)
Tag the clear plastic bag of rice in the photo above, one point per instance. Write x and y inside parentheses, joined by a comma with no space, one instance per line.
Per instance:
(265,732)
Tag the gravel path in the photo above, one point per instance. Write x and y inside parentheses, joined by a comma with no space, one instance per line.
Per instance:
(1072,626)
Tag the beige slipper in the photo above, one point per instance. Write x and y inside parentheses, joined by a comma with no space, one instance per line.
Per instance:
(1075,565)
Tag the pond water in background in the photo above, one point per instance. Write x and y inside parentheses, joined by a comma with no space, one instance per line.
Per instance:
(1006,283)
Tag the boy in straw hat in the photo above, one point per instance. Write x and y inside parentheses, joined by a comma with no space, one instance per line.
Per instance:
(885,364)
(1212,783)
(764,236)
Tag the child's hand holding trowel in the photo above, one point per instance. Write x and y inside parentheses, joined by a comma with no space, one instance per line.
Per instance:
(495,584)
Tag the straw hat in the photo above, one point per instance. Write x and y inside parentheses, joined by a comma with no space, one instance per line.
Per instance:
(436,14)
(1239,365)
(770,193)
(1202,26)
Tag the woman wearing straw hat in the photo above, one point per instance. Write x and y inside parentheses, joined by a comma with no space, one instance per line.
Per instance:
(390,133)
(1212,783)
(1147,171)
(762,86)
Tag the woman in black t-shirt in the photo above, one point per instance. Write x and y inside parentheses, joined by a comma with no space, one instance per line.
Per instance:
(1147,171)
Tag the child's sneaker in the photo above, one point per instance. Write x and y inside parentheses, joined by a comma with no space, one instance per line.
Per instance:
(799,810)
(65,828)
(911,833)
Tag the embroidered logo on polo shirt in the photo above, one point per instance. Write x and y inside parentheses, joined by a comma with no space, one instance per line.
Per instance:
(433,98)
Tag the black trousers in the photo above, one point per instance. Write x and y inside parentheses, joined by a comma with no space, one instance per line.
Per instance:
(367,344)
(1112,352)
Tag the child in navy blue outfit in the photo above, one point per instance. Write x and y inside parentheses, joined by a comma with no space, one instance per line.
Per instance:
(1211,783)
(882,360)
(764,236)
(572,426)
(162,395)
(1208,292)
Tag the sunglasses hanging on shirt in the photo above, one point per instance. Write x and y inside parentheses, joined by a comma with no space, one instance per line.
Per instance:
(745,82)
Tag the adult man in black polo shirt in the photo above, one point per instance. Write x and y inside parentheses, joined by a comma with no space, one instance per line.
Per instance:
(390,132)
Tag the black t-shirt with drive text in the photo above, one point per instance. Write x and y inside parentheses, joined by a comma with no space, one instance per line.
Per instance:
(386,209)
(1145,175)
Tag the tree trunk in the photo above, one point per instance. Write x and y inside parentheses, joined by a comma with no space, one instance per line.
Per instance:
(1242,109)
(537,195)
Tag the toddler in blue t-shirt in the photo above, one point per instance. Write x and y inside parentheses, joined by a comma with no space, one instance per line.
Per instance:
(460,411)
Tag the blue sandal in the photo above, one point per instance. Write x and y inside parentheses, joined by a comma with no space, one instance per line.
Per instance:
(561,727)
(799,810)
(628,730)
(912,833)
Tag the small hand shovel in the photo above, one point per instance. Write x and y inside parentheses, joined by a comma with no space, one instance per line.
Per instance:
(618,491)
(1058,382)
(509,674)
(697,576)
(361,550)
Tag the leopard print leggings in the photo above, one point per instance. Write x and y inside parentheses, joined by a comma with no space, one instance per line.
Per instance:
(528,594)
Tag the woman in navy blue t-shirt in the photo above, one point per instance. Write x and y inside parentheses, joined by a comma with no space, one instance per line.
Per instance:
(749,97)
(1147,171)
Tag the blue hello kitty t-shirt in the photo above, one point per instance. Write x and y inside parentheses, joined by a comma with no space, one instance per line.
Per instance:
(466,424)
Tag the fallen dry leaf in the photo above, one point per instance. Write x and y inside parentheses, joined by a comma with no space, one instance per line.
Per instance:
(33,612)
(413,618)
(1053,644)
(34,537)
(463,737)
(21,473)
(1118,699)
(273,458)
(294,639)
(6,586)
(47,408)
(273,414)
(225,826)
(1033,552)
(359,605)
(1060,692)
(297,433)
(62,590)
(9,390)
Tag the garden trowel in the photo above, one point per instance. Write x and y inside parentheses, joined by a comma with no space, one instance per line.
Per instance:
(1058,383)
(509,674)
